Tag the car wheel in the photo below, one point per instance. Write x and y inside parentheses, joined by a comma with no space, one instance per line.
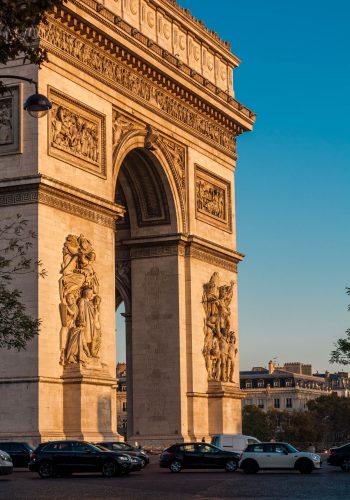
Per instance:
(109,469)
(345,466)
(250,467)
(45,470)
(305,467)
(231,466)
(175,466)
(143,462)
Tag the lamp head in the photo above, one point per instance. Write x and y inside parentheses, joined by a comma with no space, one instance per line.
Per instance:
(37,105)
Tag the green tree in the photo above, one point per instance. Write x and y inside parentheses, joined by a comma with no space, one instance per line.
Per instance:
(341,353)
(17,327)
(254,423)
(332,414)
(18,22)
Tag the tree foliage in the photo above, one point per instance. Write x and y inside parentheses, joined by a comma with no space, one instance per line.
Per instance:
(326,422)
(17,327)
(18,22)
(341,353)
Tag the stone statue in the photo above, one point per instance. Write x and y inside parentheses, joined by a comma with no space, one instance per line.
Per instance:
(6,134)
(80,335)
(219,349)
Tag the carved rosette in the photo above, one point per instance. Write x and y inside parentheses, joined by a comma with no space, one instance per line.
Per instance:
(219,348)
(80,335)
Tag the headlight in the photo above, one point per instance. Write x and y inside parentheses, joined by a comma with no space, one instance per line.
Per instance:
(315,458)
(5,457)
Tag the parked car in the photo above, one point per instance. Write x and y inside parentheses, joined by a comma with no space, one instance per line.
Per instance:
(126,448)
(277,456)
(340,456)
(198,456)
(233,442)
(6,465)
(136,463)
(67,457)
(18,451)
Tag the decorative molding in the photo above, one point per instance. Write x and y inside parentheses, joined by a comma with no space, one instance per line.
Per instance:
(62,200)
(194,115)
(212,257)
(213,199)
(77,134)
(165,250)
(11,120)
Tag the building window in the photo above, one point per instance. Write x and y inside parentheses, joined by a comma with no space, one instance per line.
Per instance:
(276,383)
(125,406)
(276,403)
(289,383)
(248,402)
(260,383)
(248,384)
(261,403)
(289,403)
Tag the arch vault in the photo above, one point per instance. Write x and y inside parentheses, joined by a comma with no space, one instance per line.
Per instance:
(129,184)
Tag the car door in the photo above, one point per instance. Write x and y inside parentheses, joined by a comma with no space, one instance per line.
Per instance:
(211,457)
(19,454)
(280,457)
(86,457)
(191,456)
(62,455)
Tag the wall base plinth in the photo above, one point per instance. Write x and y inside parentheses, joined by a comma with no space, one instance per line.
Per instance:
(89,403)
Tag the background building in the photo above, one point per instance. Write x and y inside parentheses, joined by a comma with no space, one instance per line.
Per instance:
(283,388)
(121,406)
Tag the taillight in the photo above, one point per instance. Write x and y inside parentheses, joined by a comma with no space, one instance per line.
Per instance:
(332,452)
(167,454)
(240,457)
(32,457)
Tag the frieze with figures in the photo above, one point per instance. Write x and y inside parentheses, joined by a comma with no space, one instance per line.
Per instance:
(213,199)
(104,65)
(77,134)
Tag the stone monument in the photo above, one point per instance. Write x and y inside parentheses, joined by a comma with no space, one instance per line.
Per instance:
(132,175)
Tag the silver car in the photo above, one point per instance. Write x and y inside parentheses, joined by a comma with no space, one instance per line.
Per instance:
(6,465)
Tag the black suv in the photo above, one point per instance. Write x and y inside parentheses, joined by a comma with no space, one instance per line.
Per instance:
(126,448)
(19,452)
(65,457)
(198,456)
(339,456)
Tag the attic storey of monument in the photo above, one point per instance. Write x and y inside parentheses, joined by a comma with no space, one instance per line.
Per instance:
(129,183)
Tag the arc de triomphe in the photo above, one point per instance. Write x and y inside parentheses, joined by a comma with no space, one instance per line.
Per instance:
(129,185)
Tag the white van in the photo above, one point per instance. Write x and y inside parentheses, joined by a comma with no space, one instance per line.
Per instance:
(233,442)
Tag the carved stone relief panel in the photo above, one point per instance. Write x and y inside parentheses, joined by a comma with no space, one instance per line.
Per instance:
(213,199)
(80,335)
(77,134)
(219,348)
(10,121)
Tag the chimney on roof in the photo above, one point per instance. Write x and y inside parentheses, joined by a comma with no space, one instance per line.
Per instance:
(271,366)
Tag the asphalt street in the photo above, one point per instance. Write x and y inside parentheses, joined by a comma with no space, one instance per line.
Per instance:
(156,483)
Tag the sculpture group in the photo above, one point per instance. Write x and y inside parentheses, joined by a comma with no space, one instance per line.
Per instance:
(80,336)
(219,349)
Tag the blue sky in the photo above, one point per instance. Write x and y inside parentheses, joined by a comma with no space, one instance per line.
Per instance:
(293,175)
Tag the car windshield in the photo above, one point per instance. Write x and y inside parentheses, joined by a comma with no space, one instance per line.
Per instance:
(100,447)
(290,448)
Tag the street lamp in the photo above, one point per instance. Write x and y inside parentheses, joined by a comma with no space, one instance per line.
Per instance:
(37,105)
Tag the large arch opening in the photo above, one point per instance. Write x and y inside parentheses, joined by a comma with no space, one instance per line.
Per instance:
(145,192)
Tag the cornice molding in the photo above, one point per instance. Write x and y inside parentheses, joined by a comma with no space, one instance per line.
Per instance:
(42,189)
(107,61)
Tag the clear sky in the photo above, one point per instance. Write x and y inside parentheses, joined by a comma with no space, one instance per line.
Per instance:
(293,173)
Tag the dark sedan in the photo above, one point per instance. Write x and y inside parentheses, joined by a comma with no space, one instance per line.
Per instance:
(198,456)
(18,451)
(66,457)
(126,448)
(341,457)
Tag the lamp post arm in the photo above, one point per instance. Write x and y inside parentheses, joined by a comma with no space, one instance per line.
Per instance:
(24,78)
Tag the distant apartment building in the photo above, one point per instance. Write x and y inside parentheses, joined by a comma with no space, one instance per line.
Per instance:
(338,382)
(121,406)
(283,388)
